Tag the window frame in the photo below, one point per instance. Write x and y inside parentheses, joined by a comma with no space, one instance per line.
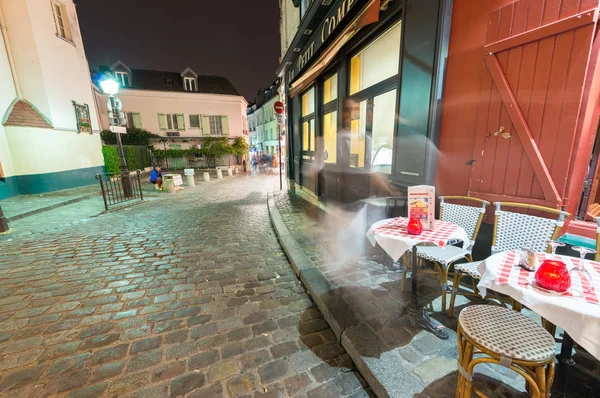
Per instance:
(61,17)
(171,122)
(328,108)
(121,77)
(193,84)
(210,125)
(309,155)
(127,114)
(199,121)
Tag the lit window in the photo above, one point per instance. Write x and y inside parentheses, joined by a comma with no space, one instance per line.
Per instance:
(216,125)
(122,78)
(358,133)
(330,137)
(134,119)
(189,83)
(60,20)
(308,102)
(195,121)
(378,61)
(384,117)
(330,89)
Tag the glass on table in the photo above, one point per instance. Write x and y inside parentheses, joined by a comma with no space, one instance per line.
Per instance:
(554,244)
(580,269)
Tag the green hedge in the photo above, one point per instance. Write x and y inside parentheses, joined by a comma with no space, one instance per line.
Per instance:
(132,158)
(111,160)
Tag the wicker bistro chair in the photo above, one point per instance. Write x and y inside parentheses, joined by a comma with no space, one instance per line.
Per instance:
(468,217)
(513,231)
(496,335)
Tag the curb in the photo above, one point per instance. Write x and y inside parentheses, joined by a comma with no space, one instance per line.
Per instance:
(52,207)
(317,285)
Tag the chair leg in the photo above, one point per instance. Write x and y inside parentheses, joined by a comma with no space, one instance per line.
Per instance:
(474,284)
(549,326)
(540,373)
(455,284)
(444,283)
(404,272)
(466,365)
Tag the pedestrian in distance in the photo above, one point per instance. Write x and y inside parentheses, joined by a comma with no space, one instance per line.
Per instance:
(156,177)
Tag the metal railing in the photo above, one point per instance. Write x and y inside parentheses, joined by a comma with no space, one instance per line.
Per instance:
(119,189)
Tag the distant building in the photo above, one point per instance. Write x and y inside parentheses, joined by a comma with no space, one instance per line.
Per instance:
(265,139)
(251,115)
(183,107)
(49,125)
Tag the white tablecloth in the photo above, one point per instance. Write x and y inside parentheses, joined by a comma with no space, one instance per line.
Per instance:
(395,241)
(579,318)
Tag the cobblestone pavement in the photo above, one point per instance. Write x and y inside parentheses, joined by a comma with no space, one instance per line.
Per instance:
(370,293)
(187,295)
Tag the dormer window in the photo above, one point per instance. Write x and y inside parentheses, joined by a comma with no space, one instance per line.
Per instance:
(189,83)
(122,78)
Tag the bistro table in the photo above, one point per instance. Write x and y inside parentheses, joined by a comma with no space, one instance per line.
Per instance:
(576,312)
(392,237)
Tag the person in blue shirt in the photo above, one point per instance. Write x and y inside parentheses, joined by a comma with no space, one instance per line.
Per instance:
(156,177)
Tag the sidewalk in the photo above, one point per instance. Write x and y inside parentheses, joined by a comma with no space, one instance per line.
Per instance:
(361,298)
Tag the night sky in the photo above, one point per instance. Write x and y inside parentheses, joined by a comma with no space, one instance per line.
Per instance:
(236,39)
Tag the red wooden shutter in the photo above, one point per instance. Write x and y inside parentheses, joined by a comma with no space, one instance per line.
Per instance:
(536,59)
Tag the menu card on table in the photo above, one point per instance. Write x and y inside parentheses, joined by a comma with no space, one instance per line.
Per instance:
(421,204)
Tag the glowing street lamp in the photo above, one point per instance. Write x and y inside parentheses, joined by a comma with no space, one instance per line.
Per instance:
(111,87)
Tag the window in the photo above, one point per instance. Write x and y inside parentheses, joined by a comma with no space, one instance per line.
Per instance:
(383,131)
(330,89)
(61,20)
(378,61)
(171,121)
(122,78)
(194,121)
(304,5)
(134,119)
(189,83)
(308,125)
(358,134)
(216,125)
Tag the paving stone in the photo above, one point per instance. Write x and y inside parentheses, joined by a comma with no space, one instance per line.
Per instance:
(144,360)
(324,372)
(255,359)
(67,381)
(435,369)
(146,344)
(22,377)
(264,327)
(241,384)
(274,370)
(161,316)
(109,354)
(160,391)
(187,383)
(177,336)
(198,319)
(208,329)
(213,391)
(94,391)
(182,350)
(20,359)
(297,383)
(107,370)
(239,334)
(169,370)
(222,370)
(96,330)
(31,312)
(348,383)
(257,343)
(22,345)
(68,364)
(232,350)
(328,390)
(128,384)
(124,314)
(100,341)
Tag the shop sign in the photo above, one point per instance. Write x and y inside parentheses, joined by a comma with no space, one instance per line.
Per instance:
(330,24)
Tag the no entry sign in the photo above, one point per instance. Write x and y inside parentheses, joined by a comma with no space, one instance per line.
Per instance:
(279,108)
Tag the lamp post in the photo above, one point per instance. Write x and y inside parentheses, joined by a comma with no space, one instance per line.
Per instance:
(111,87)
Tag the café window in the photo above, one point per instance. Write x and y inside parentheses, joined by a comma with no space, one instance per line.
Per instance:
(330,89)
(308,125)
(376,62)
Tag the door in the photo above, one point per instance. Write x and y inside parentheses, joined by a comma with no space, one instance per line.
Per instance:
(535,64)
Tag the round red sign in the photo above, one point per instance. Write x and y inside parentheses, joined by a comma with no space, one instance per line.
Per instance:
(279,108)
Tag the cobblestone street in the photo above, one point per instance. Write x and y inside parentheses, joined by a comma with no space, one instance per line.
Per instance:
(187,295)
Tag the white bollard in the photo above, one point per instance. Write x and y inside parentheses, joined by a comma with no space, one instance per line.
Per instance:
(236,170)
(206,177)
(219,174)
(190,181)
(229,172)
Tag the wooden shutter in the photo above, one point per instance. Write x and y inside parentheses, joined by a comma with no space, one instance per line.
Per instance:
(536,60)
(205,125)
(180,122)
(225,126)
(137,120)
(162,121)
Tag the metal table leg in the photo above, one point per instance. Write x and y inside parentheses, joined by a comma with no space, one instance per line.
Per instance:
(414,313)
(565,364)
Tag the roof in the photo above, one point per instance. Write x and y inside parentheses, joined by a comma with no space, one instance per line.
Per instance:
(143,79)
(160,81)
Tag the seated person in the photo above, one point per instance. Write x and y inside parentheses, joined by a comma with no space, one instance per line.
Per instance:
(156,177)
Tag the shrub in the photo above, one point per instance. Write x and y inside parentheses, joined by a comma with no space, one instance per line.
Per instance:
(133,137)
(132,158)
(111,160)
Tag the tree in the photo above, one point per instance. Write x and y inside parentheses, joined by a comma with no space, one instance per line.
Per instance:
(215,147)
(240,147)
(134,136)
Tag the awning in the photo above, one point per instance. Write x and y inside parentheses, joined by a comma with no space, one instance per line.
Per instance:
(368,15)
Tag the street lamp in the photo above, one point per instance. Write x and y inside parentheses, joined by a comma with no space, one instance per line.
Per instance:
(111,87)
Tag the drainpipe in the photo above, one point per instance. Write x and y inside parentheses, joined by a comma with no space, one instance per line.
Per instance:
(11,60)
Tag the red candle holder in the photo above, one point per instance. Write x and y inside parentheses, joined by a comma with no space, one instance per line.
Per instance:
(414,226)
(553,275)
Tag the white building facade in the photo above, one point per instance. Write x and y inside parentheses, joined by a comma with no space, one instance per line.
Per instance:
(183,108)
(49,128)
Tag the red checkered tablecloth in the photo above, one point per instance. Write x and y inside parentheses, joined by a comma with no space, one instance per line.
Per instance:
(397,227)
(509,273)
(392,237)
